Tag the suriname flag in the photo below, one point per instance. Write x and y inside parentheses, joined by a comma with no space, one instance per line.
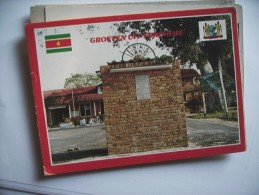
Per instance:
(58,43)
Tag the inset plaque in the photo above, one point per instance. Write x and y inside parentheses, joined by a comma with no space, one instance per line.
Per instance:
(142,87)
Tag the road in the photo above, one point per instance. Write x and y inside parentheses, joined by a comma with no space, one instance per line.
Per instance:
(82,142)
(211,132)
(83,138)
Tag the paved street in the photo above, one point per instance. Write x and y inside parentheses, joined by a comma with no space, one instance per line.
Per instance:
(83,138)
(211,132)
(81,142)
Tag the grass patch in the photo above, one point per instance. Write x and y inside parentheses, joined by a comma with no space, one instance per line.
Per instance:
(232,115)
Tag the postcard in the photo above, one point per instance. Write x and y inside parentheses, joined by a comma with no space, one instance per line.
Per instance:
(135,89)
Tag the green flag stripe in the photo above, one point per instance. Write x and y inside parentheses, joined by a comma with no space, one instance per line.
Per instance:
(59,36)
(59,50)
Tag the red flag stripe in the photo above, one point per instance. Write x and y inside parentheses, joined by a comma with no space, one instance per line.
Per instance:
(58,43)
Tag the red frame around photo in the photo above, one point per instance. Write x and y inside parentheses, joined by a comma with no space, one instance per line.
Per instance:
(51,169)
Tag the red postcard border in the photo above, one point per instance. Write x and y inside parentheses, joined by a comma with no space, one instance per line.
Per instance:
(50,169)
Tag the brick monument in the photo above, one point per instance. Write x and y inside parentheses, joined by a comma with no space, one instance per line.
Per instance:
(143,103)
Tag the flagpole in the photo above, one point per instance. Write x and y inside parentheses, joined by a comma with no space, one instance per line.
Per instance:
(223,88)
(204,104)
(73,103)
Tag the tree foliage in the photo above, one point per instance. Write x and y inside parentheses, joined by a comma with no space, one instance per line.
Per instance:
(81,80)
(187,47)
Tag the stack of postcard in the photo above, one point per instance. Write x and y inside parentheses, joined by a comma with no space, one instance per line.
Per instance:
(128,84)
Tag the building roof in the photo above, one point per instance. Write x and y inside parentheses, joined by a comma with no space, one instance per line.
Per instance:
(66,96)
(90,93)
(67,91)
(189,73)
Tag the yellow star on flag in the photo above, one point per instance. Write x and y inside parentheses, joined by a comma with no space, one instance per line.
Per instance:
(58,43)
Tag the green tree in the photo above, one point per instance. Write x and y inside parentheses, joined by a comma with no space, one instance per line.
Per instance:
(188,48)
(81,80)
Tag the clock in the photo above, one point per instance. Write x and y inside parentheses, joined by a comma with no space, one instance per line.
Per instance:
(138,51)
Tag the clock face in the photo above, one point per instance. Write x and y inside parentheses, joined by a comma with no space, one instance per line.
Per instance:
(138,51)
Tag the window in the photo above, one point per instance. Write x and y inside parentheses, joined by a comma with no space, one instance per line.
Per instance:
(85,109)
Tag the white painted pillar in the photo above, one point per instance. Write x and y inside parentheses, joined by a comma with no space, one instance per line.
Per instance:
(94,109)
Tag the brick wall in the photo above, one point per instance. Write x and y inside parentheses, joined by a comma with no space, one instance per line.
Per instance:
(147,124)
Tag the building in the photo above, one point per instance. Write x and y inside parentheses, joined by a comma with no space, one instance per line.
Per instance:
(144,107)
(190,83)
(68,105)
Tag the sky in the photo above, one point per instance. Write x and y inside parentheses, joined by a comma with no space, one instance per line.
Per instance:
(86,56)
(91,48)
